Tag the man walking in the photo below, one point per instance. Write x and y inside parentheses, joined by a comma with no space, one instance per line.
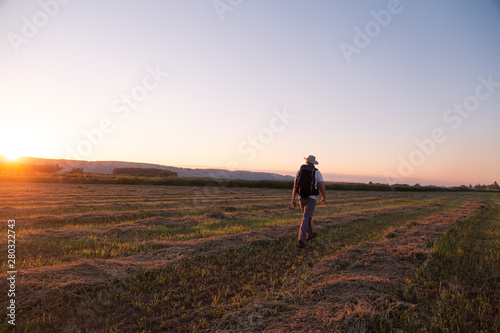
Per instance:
(307,182)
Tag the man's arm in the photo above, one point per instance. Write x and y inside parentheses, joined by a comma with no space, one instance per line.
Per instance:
(322,190)
(294,194)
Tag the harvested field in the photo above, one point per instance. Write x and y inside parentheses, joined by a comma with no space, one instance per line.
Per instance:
(129,258)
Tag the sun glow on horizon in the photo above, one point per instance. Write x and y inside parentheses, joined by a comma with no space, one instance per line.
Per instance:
(18,141)
(11,156)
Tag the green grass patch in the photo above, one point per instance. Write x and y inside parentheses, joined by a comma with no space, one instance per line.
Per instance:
(458,289)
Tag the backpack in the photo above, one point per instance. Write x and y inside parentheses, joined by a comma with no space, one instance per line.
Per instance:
(305,181)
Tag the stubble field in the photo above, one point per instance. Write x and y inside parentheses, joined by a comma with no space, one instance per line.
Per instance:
(130,258)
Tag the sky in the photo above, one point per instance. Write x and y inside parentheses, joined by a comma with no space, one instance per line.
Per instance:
(385,91)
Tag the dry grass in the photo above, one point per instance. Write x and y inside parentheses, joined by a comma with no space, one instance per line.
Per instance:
(346,291)
(85,245)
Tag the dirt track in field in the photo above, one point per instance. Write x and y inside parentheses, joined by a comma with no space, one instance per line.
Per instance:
(346,290)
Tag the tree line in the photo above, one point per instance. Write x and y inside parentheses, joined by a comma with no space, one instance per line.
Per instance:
(19,168)
(144,172)
(493,186)
(28,168)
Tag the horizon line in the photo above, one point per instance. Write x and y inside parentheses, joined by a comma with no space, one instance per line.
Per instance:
(328,176)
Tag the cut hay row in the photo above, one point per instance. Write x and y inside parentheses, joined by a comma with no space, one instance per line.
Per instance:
(458,288)
(34,209)
(238,239)
(146,235)
(99,216)
(64,283)
(163,265)
(346,291)
(196,291)
(25,200)
(57,246)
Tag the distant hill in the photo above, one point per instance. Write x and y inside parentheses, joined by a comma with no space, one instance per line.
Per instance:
(106,167)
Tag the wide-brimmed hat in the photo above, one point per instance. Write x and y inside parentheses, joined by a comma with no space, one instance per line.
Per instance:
(311,159)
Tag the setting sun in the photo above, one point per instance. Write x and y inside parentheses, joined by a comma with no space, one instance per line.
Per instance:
(17,142)
(11,156)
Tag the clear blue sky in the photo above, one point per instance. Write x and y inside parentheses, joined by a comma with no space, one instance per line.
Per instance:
(391,91)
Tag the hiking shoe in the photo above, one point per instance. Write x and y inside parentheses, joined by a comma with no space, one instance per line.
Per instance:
(301,244)
(311,237)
